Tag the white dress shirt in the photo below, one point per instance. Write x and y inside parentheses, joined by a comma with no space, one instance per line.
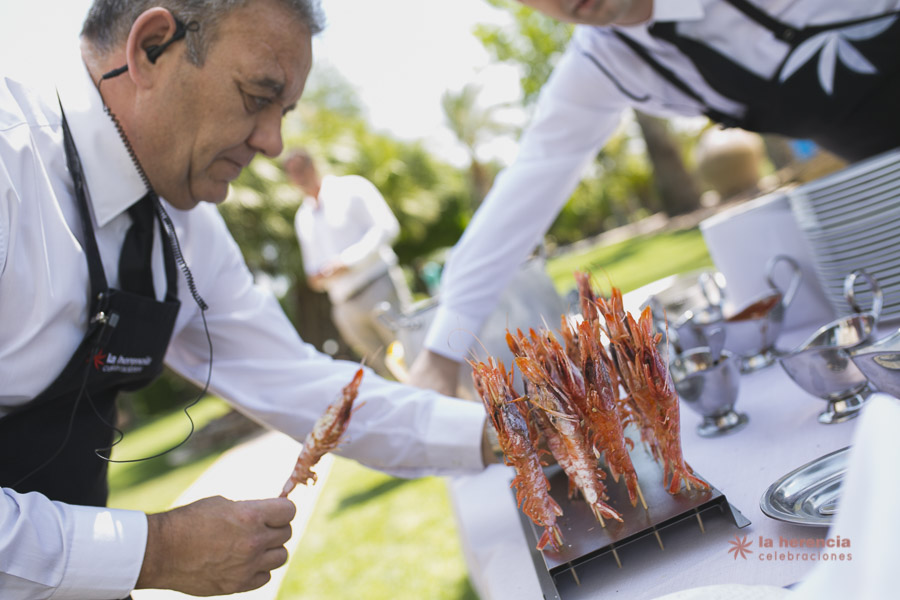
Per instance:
(579,108)
(54,550)
(351,223)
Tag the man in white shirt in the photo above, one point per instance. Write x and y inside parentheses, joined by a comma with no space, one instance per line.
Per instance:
(345,229)
(826,70)
(114,258)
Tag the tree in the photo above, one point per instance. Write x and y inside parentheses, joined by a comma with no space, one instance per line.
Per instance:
(535,43)
(679,192)
(473,125)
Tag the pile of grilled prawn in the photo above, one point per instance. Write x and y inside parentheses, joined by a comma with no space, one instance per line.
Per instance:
(579,396)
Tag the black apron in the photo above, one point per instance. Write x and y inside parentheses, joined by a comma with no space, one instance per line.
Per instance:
(838,86)
(49,445)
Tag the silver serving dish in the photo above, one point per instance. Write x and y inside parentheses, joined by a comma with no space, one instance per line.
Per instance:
(880,363)
(808,495)
(822,365)
(707,380)
(751,331)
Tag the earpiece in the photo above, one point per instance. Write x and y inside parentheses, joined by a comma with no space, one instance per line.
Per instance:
(154,51)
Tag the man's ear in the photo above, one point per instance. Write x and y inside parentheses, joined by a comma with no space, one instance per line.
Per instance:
(153,28)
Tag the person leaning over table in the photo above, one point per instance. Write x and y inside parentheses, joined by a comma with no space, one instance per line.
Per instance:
(191,91)
(345,229)
(826,70)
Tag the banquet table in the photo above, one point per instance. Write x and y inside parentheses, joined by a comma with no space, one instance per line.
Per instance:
(782,434)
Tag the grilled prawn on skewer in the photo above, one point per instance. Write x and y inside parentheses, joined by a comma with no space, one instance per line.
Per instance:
(603,416)
(645,376)
(578,461)
(658,384)
(325,436)
(507,416)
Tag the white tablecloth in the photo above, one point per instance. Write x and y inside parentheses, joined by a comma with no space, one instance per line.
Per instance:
(782,434)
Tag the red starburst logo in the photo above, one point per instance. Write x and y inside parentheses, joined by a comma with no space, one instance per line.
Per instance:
(99,359)
(740,546)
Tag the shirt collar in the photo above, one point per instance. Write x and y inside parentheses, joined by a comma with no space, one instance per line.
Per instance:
(112,179)
(677,10)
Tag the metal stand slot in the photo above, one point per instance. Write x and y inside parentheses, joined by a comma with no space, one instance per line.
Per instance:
(587,545)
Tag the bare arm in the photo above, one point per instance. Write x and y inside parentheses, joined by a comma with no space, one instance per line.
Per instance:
(216,546)
(431,371)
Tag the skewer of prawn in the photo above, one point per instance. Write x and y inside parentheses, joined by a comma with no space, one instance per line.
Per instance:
(325,436)
(603,416)
(646,378)
(565,420)
(507,415)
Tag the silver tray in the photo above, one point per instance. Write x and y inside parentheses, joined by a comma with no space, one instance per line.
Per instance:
(808,495)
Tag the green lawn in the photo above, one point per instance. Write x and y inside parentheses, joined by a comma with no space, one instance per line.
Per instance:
(377,537)
(635,262)
(153,485)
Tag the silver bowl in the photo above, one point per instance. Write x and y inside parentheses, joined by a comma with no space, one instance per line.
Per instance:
(822,365)
(709,386)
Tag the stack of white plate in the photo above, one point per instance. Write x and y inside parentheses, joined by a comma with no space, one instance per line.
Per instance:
(851,220)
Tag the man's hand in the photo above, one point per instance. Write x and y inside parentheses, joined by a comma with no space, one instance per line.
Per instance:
(215,546)
(333,269)
(435,372)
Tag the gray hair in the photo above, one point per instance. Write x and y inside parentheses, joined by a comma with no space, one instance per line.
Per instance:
(109,22)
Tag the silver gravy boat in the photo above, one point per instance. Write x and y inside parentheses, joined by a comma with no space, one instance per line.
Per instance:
(751,331)
(822,364)
(880,363)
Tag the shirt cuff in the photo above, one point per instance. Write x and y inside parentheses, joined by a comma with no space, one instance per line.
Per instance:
(107,553)
(454,436)
(452,334)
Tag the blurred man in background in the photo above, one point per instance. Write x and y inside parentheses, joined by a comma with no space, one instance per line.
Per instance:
(345,230)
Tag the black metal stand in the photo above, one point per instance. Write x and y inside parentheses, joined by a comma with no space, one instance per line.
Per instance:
(585,540)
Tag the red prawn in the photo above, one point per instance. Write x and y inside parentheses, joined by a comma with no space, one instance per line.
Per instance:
(582,467)
(508,418)
(325,436)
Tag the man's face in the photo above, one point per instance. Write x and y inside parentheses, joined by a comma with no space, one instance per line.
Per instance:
(300,172)
(203,125)
(595,12)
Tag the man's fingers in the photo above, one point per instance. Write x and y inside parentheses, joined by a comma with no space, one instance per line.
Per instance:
(273,558)
(275,512)
(278,536)
(257,581)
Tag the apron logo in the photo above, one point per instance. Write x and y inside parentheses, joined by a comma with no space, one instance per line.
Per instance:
(836,47)
(99,359)
(116,363)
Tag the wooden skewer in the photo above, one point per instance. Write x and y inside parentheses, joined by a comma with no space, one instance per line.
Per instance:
(557,536)
(658,539)
(575,575)
(615,555)
(699,520)
(641,495)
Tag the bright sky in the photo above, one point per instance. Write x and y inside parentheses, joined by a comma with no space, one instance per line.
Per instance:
(400,55)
